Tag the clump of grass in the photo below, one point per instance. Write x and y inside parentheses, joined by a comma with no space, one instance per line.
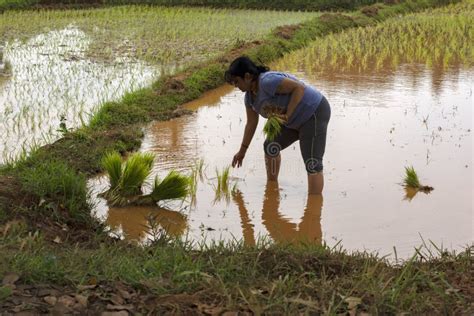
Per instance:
(411,180)
(173,186)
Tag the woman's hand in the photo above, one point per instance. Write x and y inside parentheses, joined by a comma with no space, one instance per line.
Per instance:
(238,158)
(283,117)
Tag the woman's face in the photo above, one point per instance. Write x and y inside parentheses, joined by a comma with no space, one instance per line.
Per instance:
(244,84)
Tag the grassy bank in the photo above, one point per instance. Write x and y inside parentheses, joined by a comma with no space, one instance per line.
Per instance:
(172,277)
(294,5)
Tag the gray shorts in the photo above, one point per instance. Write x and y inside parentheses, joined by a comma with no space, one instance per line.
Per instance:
(312,137)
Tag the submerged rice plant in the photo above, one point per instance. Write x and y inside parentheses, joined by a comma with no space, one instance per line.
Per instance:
(196,173)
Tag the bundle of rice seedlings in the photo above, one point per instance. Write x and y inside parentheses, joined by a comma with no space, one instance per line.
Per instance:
(126,179)
(274,122)
(411,181)
(112,164)
(173,186)
(272,127)
(135,171)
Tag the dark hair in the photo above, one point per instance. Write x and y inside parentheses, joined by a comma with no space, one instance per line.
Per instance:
(242,65)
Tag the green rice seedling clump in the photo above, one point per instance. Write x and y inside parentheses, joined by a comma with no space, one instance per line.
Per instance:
(173,186)
(411,178)
(411,181)
(112,163)
(135,172)
(126,179)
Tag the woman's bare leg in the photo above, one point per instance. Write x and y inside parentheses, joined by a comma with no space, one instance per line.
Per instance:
(315,183)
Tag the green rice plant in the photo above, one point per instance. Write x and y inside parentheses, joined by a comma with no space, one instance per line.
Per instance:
(173,186)
(193,181)
(223,179)
(199,167)
(221,190)
(411,181)
(112,164)
(272,127)
(411,178)
(134,173)
(126,179)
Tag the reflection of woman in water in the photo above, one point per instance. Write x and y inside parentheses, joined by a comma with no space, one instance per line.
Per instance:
(304,109)
(279,228)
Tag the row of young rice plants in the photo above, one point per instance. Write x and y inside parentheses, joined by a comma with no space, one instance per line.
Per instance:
(156,34)
(435,37)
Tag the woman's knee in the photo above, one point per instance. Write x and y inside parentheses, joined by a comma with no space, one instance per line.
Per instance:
(314,165)
(271,149)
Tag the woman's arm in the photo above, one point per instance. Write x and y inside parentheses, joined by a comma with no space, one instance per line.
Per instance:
(250,127)
(296,89)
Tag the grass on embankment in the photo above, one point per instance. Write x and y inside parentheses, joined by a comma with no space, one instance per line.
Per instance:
(263,279)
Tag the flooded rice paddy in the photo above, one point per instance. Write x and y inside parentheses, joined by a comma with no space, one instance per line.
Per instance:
(381,122)
(53,82)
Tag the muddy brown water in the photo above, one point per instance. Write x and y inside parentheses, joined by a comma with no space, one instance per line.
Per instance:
(381,122)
